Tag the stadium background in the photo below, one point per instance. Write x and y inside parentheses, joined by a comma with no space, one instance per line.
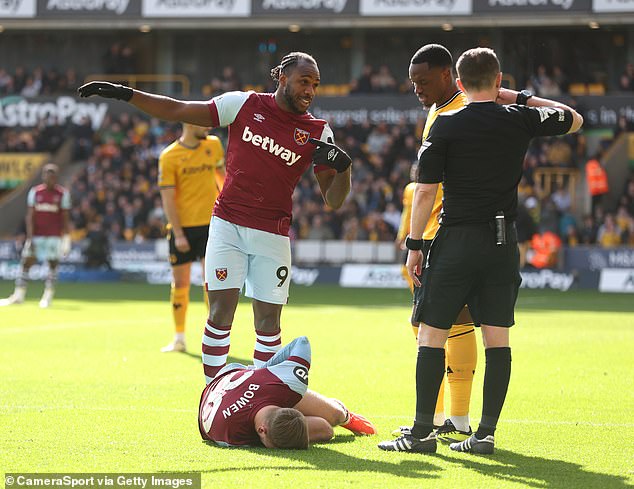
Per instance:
(580,51)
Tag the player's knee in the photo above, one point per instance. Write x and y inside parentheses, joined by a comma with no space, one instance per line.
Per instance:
(321,431)
(267,317)
(221,314)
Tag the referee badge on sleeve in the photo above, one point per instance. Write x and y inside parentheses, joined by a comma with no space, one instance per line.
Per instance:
(221,274)
(423,147)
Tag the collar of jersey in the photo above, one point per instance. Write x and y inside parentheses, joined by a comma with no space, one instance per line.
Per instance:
(453,97)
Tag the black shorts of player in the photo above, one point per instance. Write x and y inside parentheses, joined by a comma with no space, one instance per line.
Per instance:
(197,238)
(465,266)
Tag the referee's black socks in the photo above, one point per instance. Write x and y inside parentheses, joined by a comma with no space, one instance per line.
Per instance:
(496,382)
(430,369)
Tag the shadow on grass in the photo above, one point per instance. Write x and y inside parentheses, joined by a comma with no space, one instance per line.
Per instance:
(536,471)
(325,459)
(504,466)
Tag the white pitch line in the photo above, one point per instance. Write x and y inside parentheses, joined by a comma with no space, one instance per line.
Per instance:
(88,324)
(89,408)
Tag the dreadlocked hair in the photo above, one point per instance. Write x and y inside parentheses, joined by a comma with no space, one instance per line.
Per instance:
(288,61)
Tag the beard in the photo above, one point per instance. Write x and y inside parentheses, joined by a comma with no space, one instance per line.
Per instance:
(290,101)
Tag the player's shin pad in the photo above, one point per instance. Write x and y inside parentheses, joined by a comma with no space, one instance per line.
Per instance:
(179,298)
(461,365)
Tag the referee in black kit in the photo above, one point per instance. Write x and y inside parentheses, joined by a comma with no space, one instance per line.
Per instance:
(477,153)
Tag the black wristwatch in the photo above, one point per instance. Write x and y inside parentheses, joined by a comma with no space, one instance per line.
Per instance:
(522,97)
(413,244)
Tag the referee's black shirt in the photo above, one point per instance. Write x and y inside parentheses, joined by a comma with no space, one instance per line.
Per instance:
(478,153)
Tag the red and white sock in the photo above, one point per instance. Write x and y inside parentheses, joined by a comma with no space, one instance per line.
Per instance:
(266,345)
(216,343)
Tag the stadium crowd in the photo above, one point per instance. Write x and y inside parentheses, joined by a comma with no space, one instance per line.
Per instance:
(116,191)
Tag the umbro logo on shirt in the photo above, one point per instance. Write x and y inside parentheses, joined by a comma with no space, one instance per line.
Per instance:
(258,117)
(268,144)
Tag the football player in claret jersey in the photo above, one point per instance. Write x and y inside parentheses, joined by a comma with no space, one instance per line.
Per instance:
(47,238)
(191,174)
(273,140)
(430,72)
(271,405)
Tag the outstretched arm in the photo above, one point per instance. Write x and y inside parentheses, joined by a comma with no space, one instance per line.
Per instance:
(158,106)
(170,109)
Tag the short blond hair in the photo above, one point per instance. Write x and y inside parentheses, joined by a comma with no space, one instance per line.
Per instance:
(287,428)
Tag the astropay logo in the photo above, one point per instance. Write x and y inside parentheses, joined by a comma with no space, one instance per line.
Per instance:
(334,5)
(268,144)
(196,8)
(17,8)
(117,6)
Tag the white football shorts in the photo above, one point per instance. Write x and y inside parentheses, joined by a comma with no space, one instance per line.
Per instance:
(44,248)
(238,256)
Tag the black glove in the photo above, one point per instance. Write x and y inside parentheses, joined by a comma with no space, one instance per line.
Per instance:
(330,155)
(107,90)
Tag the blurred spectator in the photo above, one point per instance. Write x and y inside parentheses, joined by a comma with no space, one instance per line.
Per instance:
(378,139)
(83,134)
(558,152)
(622,220)
(37,82)
(32,87)
(561,198)
(19,79)
(626,81)
(541,84)
(97,247)
(392,216)
(119,59)
(227,82)
(624,125)
(111,59)
(588,231)
(6,82)
(319,230)
(549,217)
(363,84)
(597,180)
(571,236)
(609,235)
(383,81)
(560,78)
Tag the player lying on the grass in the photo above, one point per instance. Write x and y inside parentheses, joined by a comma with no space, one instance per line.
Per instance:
(271,405)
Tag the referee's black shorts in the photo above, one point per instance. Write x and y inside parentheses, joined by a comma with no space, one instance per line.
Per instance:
(464,315)
(197,238)
(465,266)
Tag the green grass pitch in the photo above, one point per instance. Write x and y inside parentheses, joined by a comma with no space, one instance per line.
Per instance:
(84,388)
